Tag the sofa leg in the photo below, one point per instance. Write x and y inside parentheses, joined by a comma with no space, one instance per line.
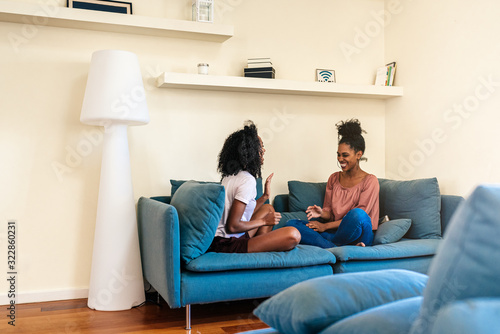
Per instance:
(188,316)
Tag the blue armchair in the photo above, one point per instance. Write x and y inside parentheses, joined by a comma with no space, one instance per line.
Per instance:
(460,295)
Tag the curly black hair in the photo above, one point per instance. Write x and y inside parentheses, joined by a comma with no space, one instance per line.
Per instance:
(241,151)
(350,133)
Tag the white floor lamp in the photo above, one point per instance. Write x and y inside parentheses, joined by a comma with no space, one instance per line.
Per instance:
(115,98)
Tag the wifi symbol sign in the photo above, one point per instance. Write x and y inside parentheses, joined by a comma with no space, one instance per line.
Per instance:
(325,75)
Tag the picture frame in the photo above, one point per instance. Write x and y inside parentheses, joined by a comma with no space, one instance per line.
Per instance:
(111,6)
(323,75)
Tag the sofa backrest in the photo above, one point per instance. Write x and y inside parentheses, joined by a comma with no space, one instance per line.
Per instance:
(419,200)
(449,205)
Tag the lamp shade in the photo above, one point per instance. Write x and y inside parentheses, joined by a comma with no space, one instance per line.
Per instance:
(115,92)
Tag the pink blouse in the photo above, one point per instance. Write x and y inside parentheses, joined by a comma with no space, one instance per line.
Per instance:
(339,200)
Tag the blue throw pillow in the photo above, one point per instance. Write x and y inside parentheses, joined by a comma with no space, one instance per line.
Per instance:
(466,264)
(418,200)
(391,231)
(200,207)
(313,305)
(304,194)
(175,184)
(392,318)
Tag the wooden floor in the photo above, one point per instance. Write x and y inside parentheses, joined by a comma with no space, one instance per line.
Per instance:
(73,316)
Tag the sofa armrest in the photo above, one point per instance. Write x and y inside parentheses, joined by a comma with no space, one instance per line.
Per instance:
(280,203)
(158,225)
(449,204)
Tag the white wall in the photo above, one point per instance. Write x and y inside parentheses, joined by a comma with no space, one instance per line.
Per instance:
(447,122)
(42,87)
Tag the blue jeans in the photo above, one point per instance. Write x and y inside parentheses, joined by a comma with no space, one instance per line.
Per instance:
(355,227)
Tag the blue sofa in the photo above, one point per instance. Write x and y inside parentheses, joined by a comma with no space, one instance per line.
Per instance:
(175,232)
(413,248)
(461,294)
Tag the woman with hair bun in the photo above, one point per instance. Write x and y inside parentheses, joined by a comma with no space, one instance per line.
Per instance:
(247,224)
(351,207)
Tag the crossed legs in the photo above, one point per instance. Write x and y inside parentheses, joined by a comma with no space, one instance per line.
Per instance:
(265,239)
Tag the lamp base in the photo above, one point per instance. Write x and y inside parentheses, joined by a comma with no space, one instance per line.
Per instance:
(116,281)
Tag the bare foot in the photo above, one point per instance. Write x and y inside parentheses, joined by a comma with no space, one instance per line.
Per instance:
(361,244)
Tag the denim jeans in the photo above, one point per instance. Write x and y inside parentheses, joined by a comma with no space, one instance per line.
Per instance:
(355,227)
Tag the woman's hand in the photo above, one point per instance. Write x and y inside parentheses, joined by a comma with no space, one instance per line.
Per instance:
(267,186)
(314,212)
(317,226)
(272,218)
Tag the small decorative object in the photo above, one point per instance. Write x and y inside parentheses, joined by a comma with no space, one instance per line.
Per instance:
(203,68)
(203,11)
(102,5)
(325,75)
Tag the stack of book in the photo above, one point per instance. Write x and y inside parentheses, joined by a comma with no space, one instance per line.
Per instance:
(385,75)
(260,68)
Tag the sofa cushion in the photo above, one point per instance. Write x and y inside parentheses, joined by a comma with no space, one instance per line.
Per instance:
(313,305)
(418,200)
(391,231)
(476,315)
(200,207)
(300,256)
(304,194)
(466,264)
(175,184)
(404,248)
(392,318)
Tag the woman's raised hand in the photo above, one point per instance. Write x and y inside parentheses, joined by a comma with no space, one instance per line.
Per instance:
(267,185)
(314,211)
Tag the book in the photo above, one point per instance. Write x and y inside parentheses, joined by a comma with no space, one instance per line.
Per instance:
(251,60)
(381,76)
(257,65)
(259,62)
(258,69)
(266,74)
(391,74)
(385,75)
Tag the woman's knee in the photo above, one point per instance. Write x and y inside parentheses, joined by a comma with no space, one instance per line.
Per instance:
(292,235)
(357,216)
(268,207)
(263,211)
(357,213)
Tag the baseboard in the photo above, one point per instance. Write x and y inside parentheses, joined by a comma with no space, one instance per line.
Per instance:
(45,296)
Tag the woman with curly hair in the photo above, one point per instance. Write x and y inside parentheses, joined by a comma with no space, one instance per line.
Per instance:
(351,207)
(247,224)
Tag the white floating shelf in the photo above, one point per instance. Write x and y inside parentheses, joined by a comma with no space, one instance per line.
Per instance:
(49,15)
(274,86)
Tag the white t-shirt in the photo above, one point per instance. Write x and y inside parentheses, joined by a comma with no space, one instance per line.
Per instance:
(242,187)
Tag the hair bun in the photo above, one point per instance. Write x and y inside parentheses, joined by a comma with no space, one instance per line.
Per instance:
(349,129)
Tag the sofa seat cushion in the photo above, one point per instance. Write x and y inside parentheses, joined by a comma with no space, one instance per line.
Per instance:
(300,256)
(402,249)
